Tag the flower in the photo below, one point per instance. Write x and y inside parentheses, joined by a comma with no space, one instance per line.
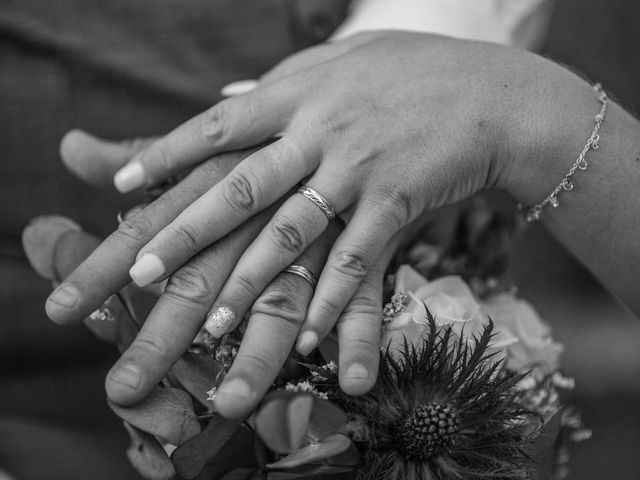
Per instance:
(451,302)
(211,394)
(305,386)
(535,346)
(441,410)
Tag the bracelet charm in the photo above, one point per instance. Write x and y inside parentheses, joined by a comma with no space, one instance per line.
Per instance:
(533,213)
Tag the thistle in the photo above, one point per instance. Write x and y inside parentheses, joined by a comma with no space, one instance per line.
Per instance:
(444,411)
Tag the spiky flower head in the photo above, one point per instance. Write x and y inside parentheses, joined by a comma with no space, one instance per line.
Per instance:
(444,411)
(429,431)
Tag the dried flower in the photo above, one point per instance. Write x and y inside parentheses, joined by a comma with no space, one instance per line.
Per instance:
(305,386)
(443,410)
(211,394)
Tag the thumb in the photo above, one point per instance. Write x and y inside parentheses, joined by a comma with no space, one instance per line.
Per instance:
(96,160)
(39,240)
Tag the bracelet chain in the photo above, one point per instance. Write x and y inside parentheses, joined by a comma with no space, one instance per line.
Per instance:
(533,213)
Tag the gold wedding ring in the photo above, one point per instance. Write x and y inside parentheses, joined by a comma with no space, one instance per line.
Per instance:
(319,200)
(303,272)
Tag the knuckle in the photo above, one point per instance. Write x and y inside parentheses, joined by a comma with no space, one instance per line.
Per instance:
(396,207)
(282,305)
(189,236)
(137,229)
(363,344)
(153,344)
(212,123)
(400,203)
(246,284)
(239,192)
(189,283)
(259,366)
(351,263)
(164,156)
(362,305)
(288,235)
(330,307)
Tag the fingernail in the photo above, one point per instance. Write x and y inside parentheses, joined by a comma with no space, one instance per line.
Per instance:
(131,213)
(307,342)
(238,88)
(219,320)
(65,296)
(129,177)
(147,269)
(236,388)
(126,375)
(357,371)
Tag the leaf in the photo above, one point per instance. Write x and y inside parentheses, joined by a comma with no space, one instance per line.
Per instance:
(139,303)
(191,457)
(329,348)
(326,419)
(544,447)
(348,458)
(240,474)
(282,420)
(316,472)
(165,412)
(330,446)
(147,455)
(127,332)
(197,375)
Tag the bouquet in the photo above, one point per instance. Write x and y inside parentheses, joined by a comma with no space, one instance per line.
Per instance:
(469,385)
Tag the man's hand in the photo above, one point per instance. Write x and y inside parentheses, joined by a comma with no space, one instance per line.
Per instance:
(179,313)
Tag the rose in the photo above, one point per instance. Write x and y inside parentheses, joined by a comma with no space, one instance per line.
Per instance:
(449,300)
(535,348)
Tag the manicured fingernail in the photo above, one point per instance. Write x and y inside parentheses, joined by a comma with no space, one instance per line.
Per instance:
(307,342)
(129,177)
(235,388)
(126,375)
(147,269)
(65,296)
(357,371)
(219,320)
(238,88)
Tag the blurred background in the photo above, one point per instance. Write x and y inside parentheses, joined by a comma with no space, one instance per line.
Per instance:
(84,71)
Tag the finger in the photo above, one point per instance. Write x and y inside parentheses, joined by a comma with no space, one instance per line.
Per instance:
(293,228)
(359,330)
(95,160)
(234,123)
(256,183)
(177,316)
(373,225)
(106,270)
(112,322)
(273,326)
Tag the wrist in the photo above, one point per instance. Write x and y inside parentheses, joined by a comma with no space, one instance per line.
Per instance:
(546,129)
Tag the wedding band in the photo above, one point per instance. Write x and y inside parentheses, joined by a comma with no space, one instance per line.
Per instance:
(303,272)
(319,200)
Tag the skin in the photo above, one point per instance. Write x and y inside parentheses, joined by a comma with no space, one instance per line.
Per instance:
(275,315)
(387,126)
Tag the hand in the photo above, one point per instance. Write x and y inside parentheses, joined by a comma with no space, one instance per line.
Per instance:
(179,313)
(384,128)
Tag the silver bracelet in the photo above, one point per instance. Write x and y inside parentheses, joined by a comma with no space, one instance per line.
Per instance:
(533,213)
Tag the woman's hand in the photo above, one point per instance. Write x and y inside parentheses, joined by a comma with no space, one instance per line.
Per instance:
(276,313)
(388,125)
